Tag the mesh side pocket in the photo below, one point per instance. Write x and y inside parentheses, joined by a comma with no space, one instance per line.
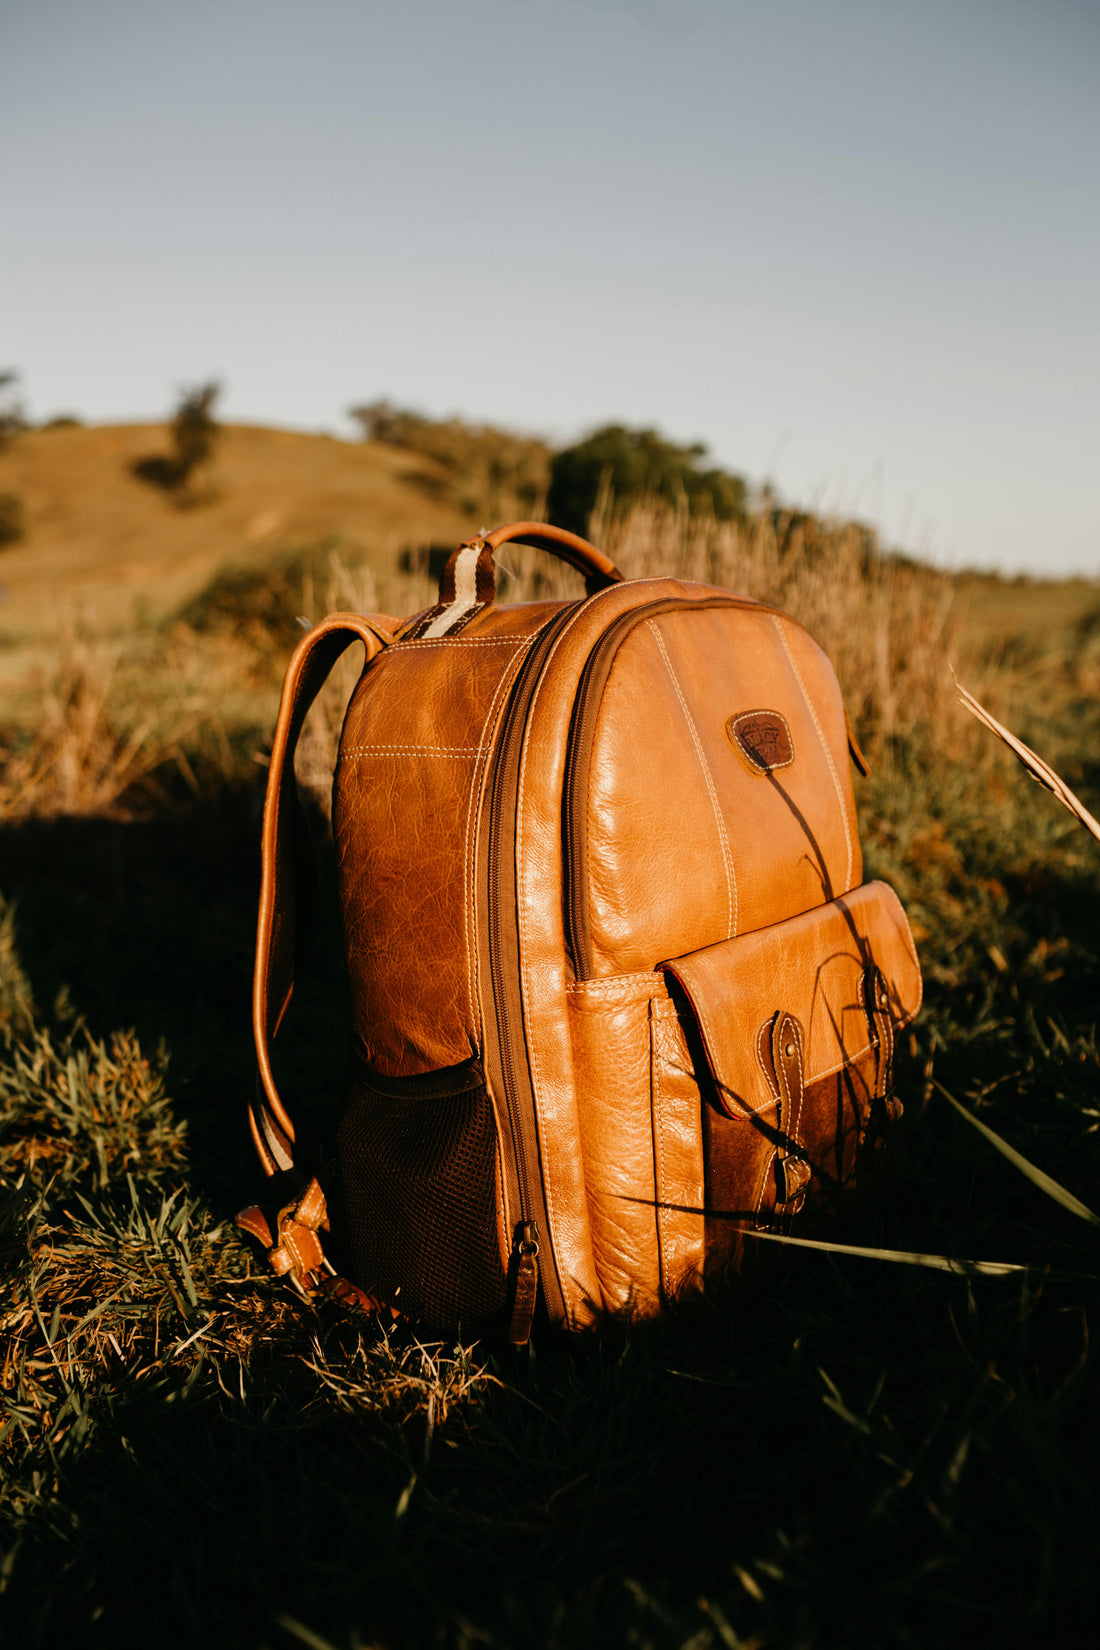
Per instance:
(420,1190)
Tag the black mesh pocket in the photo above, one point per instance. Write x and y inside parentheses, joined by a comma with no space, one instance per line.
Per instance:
(418,1162)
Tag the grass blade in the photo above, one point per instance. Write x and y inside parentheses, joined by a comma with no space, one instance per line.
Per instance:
(903,1257)
(1037,1176)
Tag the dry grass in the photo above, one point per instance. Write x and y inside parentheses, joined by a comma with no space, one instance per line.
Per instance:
(116,716)
(889,626)
(89,748)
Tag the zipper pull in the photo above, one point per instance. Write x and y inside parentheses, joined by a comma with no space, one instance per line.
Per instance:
(525,1252)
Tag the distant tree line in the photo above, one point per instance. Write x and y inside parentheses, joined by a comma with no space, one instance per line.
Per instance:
(500,473)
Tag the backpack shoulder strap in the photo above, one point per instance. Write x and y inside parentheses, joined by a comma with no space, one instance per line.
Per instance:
(288,877)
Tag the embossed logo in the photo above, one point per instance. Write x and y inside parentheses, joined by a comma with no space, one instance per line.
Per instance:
(763,738)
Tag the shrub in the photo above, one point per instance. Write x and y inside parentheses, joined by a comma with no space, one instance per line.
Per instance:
(489,471)
(13,417)
(632,465)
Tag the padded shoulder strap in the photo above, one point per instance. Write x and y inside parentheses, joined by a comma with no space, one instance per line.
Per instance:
(288,878)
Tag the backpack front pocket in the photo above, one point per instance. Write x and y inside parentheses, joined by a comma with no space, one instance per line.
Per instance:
(792,1032)
(735,1087)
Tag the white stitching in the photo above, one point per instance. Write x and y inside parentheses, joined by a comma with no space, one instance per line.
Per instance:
(610,990)
(731,880)
(469,641)
(825,747)
(459,752)
(793,1130)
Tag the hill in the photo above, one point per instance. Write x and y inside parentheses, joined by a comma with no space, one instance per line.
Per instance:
(99,540)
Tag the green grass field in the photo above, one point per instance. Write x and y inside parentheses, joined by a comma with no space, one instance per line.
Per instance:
(856,1452)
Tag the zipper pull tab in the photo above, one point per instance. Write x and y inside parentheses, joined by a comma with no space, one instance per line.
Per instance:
(525,1253)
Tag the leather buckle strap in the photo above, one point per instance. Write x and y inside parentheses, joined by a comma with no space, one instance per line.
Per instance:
(294,1249)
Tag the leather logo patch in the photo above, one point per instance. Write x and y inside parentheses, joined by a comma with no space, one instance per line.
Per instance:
(763,738)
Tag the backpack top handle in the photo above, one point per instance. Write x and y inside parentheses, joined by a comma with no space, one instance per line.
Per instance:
(468,583)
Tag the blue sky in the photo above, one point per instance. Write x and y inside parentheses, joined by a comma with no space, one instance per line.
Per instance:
(852,246)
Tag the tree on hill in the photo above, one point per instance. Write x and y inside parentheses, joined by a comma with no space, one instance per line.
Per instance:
(636,464)
(195,433)
(12,419)
(13,416)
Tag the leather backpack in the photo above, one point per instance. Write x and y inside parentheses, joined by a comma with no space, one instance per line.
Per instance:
(620,997)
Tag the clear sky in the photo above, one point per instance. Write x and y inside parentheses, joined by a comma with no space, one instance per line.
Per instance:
(851,244)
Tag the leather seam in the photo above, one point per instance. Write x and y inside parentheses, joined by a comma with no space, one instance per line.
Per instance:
(612,1004)
(467,641)
(469,879)
(812,708)
(765,1032)
(727,859)
(622,982)
(658,1151)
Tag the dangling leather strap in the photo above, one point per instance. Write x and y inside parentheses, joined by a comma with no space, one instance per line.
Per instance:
(288,879)
(877,1001)
(793,1170)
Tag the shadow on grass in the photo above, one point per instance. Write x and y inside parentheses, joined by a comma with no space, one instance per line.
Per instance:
(769,1472)
(150,924)
(863,1454)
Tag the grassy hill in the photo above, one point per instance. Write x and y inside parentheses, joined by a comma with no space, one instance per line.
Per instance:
(100,540)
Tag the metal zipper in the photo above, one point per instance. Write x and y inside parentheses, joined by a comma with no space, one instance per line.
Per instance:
(505,1043)
(582,730)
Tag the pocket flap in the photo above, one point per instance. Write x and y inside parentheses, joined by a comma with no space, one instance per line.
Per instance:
(814,966)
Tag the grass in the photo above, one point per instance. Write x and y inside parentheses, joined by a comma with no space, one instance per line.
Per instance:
(853,1453)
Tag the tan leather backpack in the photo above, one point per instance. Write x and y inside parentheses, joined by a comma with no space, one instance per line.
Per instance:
(619,993)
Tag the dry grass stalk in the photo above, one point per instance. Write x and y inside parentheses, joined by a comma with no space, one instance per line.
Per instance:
(1039,770)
